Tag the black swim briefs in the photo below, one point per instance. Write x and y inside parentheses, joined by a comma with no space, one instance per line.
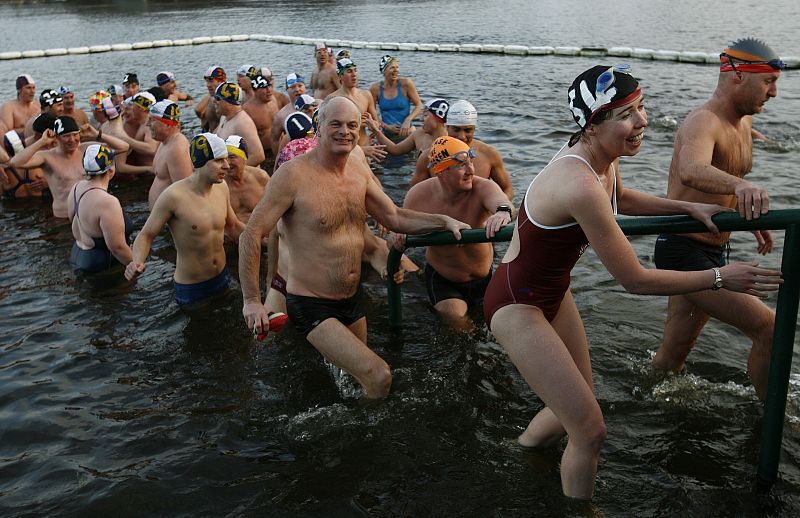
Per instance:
(306,313)
(439,288)
(675,252)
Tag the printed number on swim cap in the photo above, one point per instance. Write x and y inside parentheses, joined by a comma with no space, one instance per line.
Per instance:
(200,144)
(102,158)
(228,90)
(58,126)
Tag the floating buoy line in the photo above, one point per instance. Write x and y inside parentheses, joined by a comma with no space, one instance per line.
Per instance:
(514,50)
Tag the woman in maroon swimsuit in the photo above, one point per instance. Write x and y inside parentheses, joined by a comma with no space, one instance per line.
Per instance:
(570,204)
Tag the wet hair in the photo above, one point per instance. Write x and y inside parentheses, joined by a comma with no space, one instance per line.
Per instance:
(324,107)
(598,119)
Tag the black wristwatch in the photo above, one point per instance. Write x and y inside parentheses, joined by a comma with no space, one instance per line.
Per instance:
(504,208)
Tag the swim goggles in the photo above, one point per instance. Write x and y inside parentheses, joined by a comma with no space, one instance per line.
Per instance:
(750,66)
(460,157)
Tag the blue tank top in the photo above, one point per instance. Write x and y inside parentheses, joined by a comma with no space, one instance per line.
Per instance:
(395,110)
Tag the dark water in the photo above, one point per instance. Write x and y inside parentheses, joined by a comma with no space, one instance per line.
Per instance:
(113,401)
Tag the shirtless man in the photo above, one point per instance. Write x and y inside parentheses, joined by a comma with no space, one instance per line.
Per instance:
(433,127)
(246,183)
(63,164)
(15,113)
(143,145)
(198,212)
(130,84)
(325,78)
(115,126)
(348,75)
(206,109)
(456,275)
(70,110)
(244,76)
(712,154)
(323,198)
(235,121)
(172,161)
(51,103)
(295,86)
(117,94)
(262,107)
(461,120)
(22,183)
(166,81)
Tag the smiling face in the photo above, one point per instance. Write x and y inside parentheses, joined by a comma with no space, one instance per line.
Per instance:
(69,101)
(69,142)
(339,126)
(622,133)
(463,133)
(392,72)
(458,177)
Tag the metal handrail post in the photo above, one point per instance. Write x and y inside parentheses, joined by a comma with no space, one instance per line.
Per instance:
(780,361)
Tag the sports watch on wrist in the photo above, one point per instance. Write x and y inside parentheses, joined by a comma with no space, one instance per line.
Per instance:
(503,208)
(717,279)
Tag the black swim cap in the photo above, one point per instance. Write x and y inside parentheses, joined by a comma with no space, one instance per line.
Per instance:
(44,121)
(64,125)
(601,88)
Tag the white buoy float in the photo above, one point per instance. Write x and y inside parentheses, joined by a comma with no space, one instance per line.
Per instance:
(514,50)
(32,53)
(642,53)
(666,55)
(567,51)
(470,47)
(619,52)
(692,57)
(492,49)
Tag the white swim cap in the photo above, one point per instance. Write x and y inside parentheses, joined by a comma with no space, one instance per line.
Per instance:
(462,113)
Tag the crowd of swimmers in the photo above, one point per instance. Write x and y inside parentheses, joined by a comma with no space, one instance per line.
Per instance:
(292,172)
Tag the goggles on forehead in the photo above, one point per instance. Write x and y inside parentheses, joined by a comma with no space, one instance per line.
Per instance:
(459,158)
(750,66)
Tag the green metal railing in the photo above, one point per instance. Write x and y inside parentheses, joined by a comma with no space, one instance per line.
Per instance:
(785,314)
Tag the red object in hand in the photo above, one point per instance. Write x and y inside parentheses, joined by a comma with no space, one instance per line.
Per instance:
(276,322)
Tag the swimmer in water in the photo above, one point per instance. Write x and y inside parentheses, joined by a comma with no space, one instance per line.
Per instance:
(570,204)
(198,212)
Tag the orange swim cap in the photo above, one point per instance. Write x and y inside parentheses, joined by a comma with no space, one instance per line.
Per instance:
(446,152)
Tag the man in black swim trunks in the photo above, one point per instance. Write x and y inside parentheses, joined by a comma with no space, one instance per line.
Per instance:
(456,276)
(322,198)
(713,152)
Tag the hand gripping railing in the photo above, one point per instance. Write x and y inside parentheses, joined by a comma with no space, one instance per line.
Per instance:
(785,315)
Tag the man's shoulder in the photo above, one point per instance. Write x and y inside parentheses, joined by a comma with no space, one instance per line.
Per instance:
(178,144)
